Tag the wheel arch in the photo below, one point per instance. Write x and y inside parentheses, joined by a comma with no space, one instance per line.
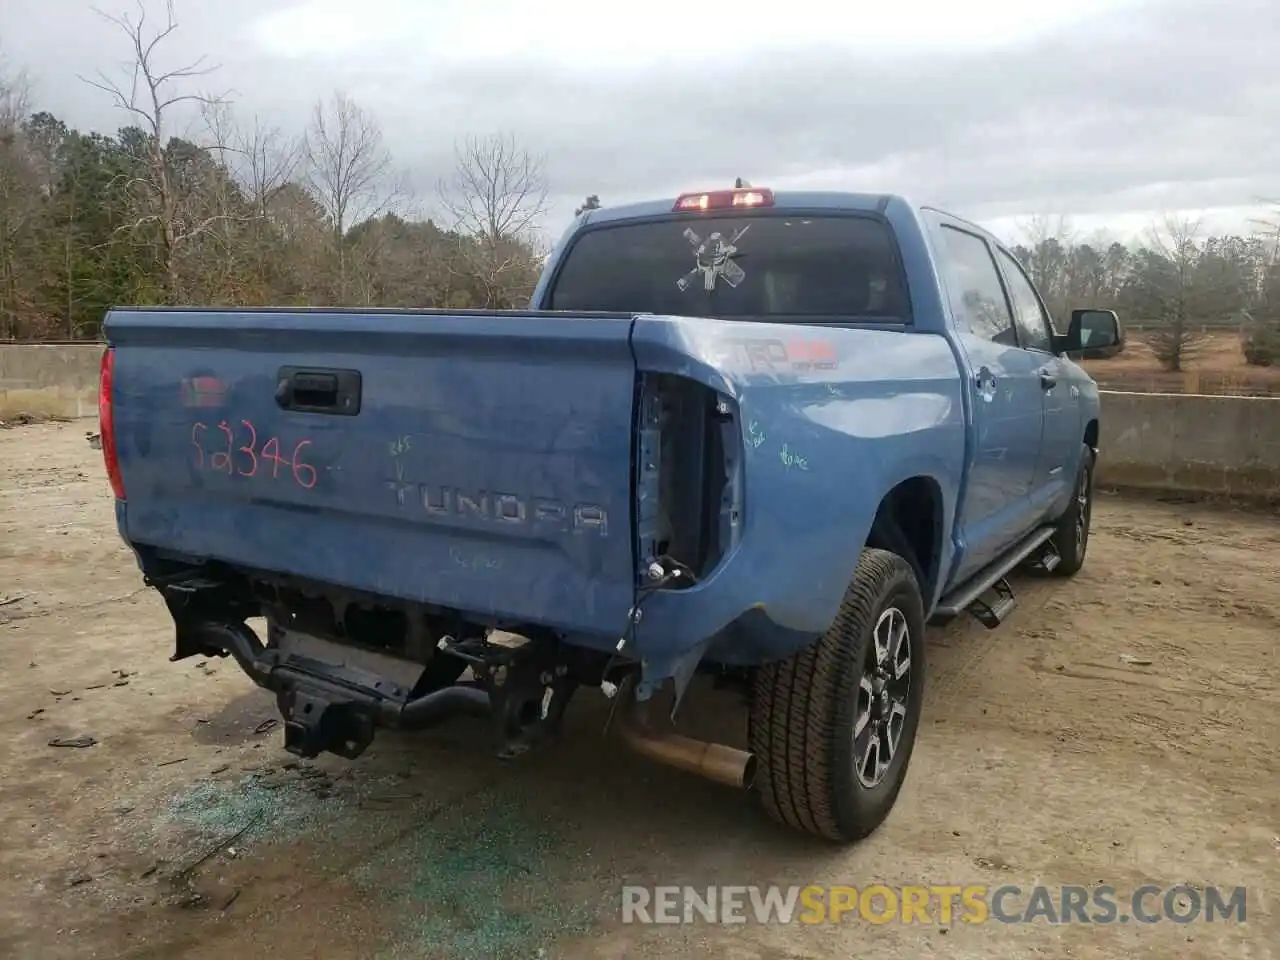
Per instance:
(910,522)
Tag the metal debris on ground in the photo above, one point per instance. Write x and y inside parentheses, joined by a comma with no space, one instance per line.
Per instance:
(77,742)
(218,847)
(6,601)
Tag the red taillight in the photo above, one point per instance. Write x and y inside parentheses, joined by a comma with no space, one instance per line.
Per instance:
(724,200)
(107,423)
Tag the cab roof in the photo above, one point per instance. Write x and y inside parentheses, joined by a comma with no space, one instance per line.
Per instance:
(833,200)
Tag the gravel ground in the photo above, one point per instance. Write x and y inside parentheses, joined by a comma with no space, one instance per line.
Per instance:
(1120,728)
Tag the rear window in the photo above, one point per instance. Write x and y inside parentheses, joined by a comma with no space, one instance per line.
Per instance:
(758,267)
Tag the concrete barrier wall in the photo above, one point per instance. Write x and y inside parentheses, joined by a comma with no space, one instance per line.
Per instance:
(53,380)
(1192,443)
(1186,442)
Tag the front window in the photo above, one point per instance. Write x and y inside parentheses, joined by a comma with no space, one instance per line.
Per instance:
(770,267)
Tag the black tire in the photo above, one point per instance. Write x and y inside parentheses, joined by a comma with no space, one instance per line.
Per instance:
(1072,536)
(804,710)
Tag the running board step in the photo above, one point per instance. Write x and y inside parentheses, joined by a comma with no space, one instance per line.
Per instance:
(1049,558)
(994,606)
(966,596)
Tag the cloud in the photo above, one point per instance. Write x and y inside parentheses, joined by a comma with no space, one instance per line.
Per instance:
(995,109)
(659,31)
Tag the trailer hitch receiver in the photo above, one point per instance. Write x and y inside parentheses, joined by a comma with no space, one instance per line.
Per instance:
(314,723)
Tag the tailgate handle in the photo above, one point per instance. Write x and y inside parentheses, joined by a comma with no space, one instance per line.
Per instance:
(319,391)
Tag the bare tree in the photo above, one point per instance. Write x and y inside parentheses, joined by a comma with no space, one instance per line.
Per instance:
(496,196)
(1049,241)
(1169,286)
(1039,228)
(148,95)
(1261,344)
(349,169)
(222,275)
(19,196)
(259,162)
(268,160)
(1267,229)
(498,190)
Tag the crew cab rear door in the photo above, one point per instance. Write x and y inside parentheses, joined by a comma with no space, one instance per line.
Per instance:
(1006,400)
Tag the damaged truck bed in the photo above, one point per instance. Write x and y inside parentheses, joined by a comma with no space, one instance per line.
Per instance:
(760,436)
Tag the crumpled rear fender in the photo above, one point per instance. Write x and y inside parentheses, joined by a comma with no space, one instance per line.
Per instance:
(830,420)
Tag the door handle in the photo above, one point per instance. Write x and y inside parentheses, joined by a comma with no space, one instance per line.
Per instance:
(984,380)
(334,392)
(1047,380)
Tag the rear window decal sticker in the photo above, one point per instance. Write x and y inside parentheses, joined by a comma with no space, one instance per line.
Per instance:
(713,259)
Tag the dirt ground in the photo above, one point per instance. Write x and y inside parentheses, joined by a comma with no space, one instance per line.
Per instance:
(1121,728)
(1214,365)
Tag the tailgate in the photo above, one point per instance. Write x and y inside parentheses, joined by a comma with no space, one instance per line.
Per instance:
(477,462)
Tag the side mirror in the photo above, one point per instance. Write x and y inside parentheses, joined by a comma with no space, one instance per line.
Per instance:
(1092,332)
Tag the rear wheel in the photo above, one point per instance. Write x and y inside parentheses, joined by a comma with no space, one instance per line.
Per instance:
(833,727)
(1072,535)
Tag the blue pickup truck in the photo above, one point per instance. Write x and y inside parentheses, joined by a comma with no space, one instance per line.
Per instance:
(759,436)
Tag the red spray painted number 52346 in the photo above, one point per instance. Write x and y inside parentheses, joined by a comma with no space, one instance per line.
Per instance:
(246,458)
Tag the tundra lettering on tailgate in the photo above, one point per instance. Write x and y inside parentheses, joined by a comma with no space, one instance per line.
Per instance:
(492,506)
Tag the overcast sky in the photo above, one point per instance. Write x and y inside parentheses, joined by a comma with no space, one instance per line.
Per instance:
(1107,111)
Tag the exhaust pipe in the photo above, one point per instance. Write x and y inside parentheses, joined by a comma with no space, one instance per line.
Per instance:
(713,761)
(237,639)
(439,705)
